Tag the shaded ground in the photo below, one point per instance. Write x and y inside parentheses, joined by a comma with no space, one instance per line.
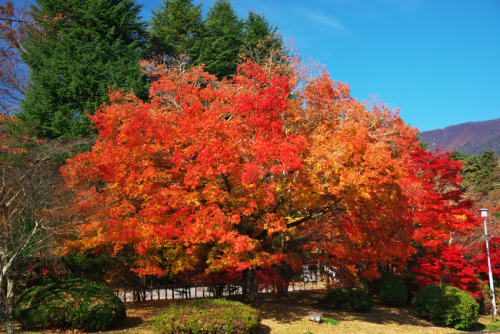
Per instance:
(289,315)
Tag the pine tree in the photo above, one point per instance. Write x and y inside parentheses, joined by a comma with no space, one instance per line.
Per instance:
(457,155)
(90,45)
(222,41)
(177,28)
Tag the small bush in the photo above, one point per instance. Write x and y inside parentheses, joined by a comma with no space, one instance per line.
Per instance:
(73,304)
(348,299)
(447,305)
(392,290)
(207,316)
(330,321)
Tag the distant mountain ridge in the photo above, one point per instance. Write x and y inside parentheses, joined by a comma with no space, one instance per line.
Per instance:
(471,137)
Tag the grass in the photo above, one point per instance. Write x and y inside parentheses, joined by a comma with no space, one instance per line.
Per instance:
(289,315)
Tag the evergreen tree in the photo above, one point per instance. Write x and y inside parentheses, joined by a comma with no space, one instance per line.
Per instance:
(177,28)
(260,39)
(222,41)
(89,45)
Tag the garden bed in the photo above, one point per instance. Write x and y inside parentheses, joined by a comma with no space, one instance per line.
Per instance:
(289,315)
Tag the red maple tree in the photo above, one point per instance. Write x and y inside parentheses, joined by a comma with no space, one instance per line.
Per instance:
(226,173)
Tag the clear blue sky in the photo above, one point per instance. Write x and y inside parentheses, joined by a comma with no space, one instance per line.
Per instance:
(437,60)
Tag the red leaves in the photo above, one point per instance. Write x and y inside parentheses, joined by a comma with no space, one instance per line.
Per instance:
(449,267)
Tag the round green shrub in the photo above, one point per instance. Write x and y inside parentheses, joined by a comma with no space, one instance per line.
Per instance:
(74,304)
(393,290)
(446,305)
(348,299)
(207,316)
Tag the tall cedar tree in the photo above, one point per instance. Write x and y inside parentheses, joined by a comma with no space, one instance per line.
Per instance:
(260,38)
(177,28)
(90,45)
(222,41)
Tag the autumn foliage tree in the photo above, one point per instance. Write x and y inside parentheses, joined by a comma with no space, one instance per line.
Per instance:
(224,173)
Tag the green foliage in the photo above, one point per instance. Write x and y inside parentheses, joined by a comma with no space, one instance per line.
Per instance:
(330,321)
(73,304)
(207,316)
(447,305)
(80,49)
(392,290)
(480,172)
(347,299)
(222,41)
(423,145)
(177,28)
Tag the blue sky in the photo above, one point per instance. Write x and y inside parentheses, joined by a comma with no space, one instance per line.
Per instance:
(437,60)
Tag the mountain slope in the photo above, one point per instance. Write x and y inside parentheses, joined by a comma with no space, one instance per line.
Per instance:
(472,137)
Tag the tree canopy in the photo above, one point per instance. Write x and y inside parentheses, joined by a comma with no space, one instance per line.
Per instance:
(224,172)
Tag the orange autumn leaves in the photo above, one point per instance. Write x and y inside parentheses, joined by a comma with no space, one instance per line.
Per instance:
(222,172)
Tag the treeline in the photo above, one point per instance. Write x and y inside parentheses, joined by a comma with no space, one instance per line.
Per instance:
(73,51)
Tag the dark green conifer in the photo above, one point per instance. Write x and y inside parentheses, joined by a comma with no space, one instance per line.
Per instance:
(222,41)
(177,28)
(87,46)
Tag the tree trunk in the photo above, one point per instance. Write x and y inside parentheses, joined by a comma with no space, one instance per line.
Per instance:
(6,306)
(284,272)
(250,291)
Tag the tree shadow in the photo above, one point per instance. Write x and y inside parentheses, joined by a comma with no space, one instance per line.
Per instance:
(263,329)
(286,310)
(129,323)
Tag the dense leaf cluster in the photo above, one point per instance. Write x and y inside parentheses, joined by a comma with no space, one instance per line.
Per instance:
(448,266)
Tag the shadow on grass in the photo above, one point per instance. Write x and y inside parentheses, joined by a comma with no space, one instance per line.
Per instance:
(383,315)
(129,323)
(264,329)
(295,307)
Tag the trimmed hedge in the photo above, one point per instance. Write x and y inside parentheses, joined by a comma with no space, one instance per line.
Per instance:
(390,288)
(347,299)
(207,316)
(74,304)
(447,305)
